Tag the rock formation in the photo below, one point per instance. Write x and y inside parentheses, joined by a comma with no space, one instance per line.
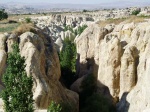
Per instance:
(42,63)
(122,59)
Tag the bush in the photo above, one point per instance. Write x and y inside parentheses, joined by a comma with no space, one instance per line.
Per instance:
(28,20)
(85,10)
(17,95)
(54,107)
(136,12)
(3,14)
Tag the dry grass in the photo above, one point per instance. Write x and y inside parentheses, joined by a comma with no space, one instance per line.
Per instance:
(24,28)
(8,27)
(135,19)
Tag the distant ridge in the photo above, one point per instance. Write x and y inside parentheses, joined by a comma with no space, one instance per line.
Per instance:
(119,4)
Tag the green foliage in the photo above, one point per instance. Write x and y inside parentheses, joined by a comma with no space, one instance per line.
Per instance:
(17,95)
(28,20)
(8,27)
(81,29)
(84,10)
(77,31)
(3,14)
(54,107)
(136,12)
(68,28)
(68,62)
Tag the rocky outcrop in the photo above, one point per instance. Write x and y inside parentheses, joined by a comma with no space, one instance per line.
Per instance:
(128,71)
(122,58)
(138,99)
(42,63)
(110,53)
(87,49)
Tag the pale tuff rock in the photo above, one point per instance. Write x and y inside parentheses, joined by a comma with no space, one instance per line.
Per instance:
(128,71)
(3,56)
(59,44)
(1,104)
(87,49)
(110,53)
(3,41)
(43,64)
(10,41)
(122,59)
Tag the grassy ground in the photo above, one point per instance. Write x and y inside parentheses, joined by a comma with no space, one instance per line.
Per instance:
(7,27)
(135,19)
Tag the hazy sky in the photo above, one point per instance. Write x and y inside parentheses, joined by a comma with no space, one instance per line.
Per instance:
(73,1)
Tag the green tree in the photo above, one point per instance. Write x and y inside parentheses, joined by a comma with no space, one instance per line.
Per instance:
(81,29)
(68,62)
(3,14)
(17,95)
(54,107)
(28,20)
(135,12)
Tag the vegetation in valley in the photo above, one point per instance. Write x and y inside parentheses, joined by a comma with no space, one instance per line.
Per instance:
(68,62)
(17,95)
(77,31)
(54,107)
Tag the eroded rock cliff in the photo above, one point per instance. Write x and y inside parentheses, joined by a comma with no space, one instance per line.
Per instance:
(42,63)
(119,58)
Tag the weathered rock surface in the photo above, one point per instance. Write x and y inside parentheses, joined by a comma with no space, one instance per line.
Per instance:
(87,49)
(110,53)
(42,63)
(122,56)
(128,71)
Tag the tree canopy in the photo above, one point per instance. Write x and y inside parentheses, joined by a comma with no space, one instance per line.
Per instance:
(3,14)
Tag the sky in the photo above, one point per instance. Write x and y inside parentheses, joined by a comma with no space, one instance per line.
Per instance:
(74,1)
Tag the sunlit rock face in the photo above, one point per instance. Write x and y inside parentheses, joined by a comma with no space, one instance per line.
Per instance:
(122,59)
(42,63)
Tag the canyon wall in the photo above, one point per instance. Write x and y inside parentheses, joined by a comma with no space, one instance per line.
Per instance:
(120,60)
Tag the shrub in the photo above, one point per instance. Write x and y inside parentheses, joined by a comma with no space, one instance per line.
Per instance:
(136,12)
(17,95)
(54,107)
(84,10)
(3,14)
(28,20)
